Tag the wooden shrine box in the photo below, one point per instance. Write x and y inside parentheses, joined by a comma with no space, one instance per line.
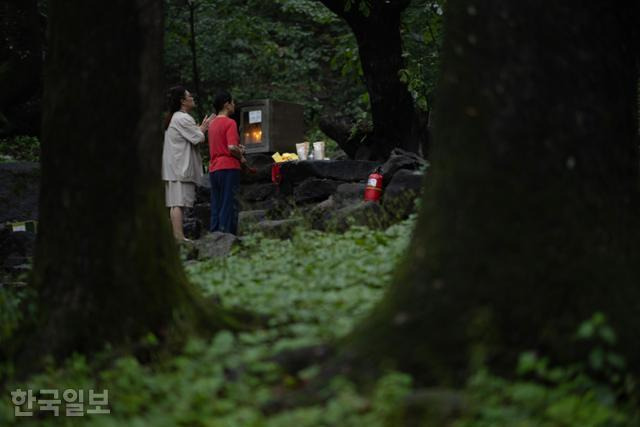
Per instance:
(267,126)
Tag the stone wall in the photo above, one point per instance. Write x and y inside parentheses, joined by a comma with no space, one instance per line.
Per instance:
(322,194)
(19,192)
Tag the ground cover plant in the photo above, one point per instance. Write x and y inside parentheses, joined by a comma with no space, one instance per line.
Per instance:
(312,289)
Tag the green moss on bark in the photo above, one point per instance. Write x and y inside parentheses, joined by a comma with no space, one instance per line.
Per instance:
(106,267)
(529,222)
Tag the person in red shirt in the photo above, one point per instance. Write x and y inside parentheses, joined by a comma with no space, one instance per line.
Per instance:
(226,158)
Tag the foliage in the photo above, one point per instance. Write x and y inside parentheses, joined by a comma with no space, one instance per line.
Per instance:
(20,148)
(422,37)
(582,394)
(288,50)
(571,402)
(313,289)
(11,309)
(331,148)
(293,50)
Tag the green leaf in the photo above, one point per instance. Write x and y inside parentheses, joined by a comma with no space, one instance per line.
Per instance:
(527,363)
(596,358)
(607,334)
(616,360)
(586,330)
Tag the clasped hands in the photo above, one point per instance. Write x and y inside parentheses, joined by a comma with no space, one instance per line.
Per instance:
(204,126)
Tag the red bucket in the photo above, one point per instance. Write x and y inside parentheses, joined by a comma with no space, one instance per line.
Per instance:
(276,176)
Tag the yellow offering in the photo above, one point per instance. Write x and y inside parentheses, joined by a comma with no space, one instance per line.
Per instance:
(284,157)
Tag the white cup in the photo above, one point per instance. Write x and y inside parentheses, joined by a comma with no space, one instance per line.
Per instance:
(318,150)
(302,149)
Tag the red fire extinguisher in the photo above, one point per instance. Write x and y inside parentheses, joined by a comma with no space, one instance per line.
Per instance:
(373,191)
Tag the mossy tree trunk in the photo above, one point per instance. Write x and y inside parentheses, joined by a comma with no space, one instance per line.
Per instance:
(106,268)
(530,219)
(376,26)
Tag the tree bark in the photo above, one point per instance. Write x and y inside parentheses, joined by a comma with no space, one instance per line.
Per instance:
(341,131)
(395,120)
(106,268)
(530,216)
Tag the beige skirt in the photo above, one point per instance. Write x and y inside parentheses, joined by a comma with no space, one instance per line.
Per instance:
(178,193)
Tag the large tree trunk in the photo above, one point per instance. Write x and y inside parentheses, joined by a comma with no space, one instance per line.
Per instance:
(106,268)
(530,219)
(395,120)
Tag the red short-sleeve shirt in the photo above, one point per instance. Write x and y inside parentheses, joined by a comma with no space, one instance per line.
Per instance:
(223,132)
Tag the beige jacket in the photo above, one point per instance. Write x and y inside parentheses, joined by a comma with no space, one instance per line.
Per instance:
(180,158)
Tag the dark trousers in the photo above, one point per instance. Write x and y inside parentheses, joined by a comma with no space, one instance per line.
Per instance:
(224,209)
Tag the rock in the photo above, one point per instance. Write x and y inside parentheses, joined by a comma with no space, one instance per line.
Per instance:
(201,212)
(281,229)
(257,192)
(264,205)
(257,160)
(19,191)
(263,174)
(214,244)
(368,214)
(192,227)
(344,170)
(314,189)
(320,214)
(15,247)
(248,219)
(11,262)
(401,159)
(349,193)
(252,216)
(340,170)
(280,208)
(249,197)
(203,190)
(18,269)
(203,195)
(399,196)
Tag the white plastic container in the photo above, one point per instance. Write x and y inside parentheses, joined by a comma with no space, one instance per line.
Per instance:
(302,150)
(318,150)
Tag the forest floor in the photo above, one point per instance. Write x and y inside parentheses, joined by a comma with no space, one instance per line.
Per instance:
(312,289)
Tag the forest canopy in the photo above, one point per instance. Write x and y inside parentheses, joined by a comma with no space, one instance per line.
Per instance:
(292,50)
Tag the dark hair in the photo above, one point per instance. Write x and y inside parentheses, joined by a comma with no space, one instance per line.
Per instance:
(174,102)
(221,98)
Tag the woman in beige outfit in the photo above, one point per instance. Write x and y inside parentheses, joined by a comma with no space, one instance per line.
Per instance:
(181,162)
